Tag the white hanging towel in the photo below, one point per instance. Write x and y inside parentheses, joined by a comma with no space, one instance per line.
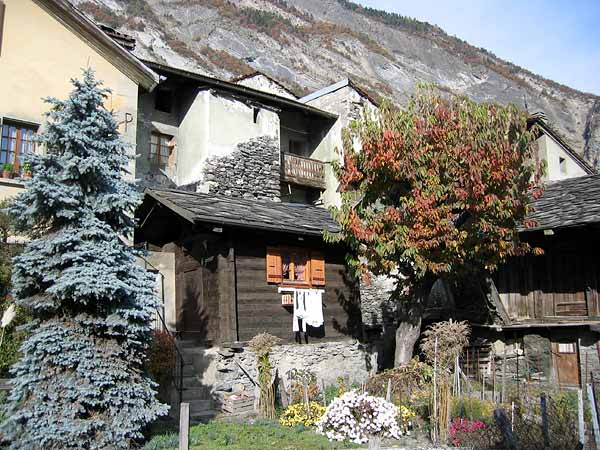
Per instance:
(299,310)
(314,307)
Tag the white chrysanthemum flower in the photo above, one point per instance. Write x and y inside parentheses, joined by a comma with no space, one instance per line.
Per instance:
(8,316)
(356,417)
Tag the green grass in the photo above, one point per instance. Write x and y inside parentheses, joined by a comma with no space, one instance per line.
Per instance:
(243,436)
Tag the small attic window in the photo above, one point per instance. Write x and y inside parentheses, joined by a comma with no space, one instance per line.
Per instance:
(163,100)
(562,164)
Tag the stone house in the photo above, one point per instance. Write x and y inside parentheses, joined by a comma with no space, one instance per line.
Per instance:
(247,148)
(208,135)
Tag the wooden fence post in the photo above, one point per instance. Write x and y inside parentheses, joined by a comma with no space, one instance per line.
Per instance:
(545,428)
(505,428)
(305,390)
(502,391)
(184,426)
(594,412)
(388,394)
(580,418)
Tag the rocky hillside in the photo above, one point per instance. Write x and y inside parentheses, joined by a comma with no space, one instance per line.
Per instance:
(308,44)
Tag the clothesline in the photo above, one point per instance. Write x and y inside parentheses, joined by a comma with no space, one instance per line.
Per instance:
(291,289)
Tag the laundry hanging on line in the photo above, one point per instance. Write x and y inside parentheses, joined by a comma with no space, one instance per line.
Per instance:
(308,307)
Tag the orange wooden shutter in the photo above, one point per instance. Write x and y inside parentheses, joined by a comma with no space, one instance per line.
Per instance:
(317,269)
(274,274)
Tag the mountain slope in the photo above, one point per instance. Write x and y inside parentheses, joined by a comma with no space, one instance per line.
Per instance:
(311,43)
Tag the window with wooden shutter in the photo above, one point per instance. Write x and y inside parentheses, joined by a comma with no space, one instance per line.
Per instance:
(274,272)
(317,266)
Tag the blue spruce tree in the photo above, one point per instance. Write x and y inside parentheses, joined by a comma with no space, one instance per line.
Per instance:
(80,383)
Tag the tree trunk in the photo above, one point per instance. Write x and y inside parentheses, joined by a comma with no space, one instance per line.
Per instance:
(407,334)
(411,315)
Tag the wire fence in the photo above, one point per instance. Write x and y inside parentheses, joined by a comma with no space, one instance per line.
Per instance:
(530,408)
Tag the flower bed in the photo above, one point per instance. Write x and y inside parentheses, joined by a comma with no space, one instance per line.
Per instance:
(358,417)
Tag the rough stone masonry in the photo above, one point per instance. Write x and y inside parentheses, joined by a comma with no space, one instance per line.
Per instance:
(350,360)
(251,171)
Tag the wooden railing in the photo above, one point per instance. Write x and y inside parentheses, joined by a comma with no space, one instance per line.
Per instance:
(303,171)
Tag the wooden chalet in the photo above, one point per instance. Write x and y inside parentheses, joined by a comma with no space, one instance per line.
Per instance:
(554,296)
(232,256)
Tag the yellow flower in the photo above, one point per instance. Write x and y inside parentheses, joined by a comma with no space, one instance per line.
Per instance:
(296,414)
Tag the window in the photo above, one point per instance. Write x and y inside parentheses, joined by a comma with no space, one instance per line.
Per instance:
(562,164)
(295,266)
(566,348)
(160,149)
(17,139)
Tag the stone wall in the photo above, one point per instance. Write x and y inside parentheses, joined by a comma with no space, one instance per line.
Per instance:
(252,170)
(376,305)
(221,370)
(588,355)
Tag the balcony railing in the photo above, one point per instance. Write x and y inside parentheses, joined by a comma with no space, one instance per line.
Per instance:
(303,171)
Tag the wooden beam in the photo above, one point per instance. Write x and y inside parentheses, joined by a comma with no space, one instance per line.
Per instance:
(228,329)
(494,298)
(516,325)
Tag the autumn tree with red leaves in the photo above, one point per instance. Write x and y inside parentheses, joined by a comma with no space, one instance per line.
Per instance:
(435,190)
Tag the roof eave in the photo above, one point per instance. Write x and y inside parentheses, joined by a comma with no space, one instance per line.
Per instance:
(192,218)
(81,25)
(587,167)
(243,90)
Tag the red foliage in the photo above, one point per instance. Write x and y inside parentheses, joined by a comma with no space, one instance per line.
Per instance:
(439,187)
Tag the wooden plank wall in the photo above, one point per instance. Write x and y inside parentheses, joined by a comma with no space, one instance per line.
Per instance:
(259,306)
(197,287)
(564,282)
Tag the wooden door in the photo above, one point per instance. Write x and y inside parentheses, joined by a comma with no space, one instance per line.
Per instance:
(566,362)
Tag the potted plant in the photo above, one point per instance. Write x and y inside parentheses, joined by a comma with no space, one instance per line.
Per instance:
(7,170)
(26,173)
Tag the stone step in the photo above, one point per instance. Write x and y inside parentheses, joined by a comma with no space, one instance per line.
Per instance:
(200,406)
(189,370)
(197,392)
(192,383)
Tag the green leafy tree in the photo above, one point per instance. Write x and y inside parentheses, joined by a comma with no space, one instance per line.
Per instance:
(434,190)
(80,382)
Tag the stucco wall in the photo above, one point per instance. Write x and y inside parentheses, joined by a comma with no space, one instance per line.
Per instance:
(39,57)
(150,119)
(551,151)
(213,126)
(164,262)
(348,104)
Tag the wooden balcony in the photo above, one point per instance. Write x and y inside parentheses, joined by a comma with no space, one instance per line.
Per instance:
(302,171)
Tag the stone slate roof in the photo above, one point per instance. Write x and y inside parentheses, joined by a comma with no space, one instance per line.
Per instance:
(246,213)
(568,203)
